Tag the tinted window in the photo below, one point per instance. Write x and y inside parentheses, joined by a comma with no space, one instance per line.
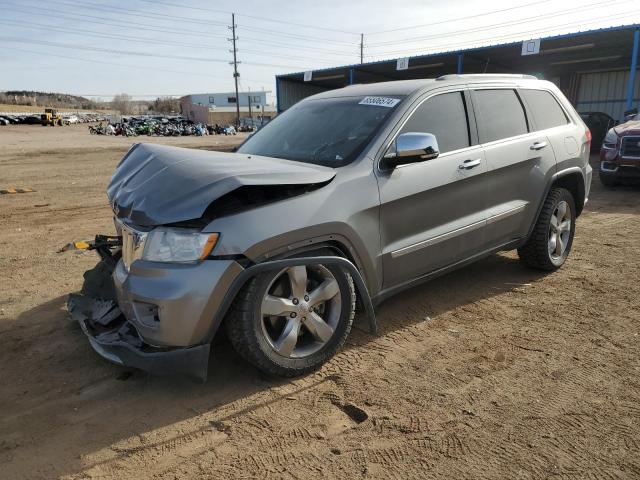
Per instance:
(544,108)
(445,117)
(500,115)
(330,131)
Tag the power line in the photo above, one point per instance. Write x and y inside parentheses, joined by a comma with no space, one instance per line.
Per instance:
(138,13)
(515,36)
(459,18)
(500,24)
(119,24)
(138,54)
(140,26)
(103,62)
(82,32)
(173,18)
(265,19)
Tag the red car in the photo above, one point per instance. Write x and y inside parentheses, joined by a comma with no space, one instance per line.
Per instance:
(620,153)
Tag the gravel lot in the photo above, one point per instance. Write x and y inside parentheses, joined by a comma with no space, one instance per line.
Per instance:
(494,371)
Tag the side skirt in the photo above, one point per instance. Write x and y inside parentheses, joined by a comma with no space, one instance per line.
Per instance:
(391,291)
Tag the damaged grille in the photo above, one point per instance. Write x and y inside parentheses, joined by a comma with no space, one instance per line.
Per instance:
(630,147)
(132,244)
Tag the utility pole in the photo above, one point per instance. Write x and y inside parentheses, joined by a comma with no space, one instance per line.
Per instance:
(362,48)
(250,115)
(235,65)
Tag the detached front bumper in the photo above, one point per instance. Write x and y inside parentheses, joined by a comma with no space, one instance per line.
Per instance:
(152,318)
(123,346)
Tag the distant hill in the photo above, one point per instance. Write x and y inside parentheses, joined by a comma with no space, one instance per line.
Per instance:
(46,99)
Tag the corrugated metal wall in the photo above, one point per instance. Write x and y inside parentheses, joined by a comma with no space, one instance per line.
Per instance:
(606,92)
(290,93)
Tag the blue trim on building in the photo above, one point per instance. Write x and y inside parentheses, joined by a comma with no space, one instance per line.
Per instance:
(277,93)
(613,100)
(467,50)
(634,67)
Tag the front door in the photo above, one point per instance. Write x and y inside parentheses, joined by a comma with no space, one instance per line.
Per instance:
(433,212)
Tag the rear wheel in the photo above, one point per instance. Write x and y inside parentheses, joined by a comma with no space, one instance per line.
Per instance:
(289,322)
(552,237)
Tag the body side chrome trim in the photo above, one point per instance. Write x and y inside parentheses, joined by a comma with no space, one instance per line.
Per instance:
(459,231)
(440,238)
(501,216)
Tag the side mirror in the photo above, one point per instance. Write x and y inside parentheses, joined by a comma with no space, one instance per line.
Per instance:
(412,147)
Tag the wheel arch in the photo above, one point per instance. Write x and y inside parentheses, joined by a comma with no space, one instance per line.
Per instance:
(573,180)
(306,255)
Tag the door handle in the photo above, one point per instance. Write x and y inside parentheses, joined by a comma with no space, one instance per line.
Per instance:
(538,146)
(469,164)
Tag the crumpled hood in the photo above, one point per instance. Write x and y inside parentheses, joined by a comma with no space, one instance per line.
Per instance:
(157,185)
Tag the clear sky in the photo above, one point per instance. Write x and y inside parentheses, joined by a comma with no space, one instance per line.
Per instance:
(149,48)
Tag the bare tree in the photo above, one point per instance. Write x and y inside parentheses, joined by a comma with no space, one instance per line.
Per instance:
(122,103)
(166,105)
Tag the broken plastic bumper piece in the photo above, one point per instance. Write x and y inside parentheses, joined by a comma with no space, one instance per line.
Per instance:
(96,310)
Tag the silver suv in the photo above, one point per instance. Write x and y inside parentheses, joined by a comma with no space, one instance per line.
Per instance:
(343,200)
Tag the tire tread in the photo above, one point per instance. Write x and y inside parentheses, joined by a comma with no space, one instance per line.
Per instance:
(534,253)
(239,331)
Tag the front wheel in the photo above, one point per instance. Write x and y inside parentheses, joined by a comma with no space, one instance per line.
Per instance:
(552,236)
(289,322)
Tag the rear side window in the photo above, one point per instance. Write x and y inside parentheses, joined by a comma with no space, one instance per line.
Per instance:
(545,109)
(444,116)
(500,115)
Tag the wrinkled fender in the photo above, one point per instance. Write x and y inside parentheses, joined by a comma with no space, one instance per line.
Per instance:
(254,270)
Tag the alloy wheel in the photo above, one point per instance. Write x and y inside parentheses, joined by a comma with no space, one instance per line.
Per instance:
(559,230)
(300,310)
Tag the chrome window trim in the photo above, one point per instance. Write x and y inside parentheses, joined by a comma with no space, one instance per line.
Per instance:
(399,126)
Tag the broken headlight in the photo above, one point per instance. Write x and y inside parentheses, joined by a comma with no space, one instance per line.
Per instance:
(180,245)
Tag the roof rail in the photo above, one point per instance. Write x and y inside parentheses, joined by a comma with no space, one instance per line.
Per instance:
(485,75)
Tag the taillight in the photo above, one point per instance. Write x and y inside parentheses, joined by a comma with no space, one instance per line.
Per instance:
(588,134)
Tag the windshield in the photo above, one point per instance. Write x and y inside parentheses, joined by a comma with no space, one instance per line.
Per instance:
(330,132)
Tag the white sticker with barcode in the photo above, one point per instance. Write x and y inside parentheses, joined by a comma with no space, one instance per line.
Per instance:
(380,101)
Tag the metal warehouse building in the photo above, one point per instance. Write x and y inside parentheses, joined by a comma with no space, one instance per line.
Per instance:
(595,69)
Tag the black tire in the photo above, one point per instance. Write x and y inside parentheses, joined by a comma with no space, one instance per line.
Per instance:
(244,327)
(535,253)
(607,180)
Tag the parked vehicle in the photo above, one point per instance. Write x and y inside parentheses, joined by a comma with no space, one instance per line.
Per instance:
(599,124)
(620,153)
(345,199)
(71,119)
(51,117)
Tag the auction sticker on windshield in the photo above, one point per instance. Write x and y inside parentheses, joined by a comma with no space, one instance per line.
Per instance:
(379,101)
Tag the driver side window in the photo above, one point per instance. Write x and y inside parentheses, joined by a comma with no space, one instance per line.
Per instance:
(444,116)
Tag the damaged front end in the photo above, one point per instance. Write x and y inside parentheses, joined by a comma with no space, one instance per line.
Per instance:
(114,338)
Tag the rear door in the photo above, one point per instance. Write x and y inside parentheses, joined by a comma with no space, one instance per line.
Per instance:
(433,212)
(518,159)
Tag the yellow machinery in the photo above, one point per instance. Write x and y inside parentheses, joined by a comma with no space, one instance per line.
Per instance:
(51,117)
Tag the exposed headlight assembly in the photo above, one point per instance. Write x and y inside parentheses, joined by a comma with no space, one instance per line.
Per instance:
(178,245)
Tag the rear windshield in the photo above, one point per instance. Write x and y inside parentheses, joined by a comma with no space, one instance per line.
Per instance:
(330,132)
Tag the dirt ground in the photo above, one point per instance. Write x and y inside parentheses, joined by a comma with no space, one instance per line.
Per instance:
(494,371)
